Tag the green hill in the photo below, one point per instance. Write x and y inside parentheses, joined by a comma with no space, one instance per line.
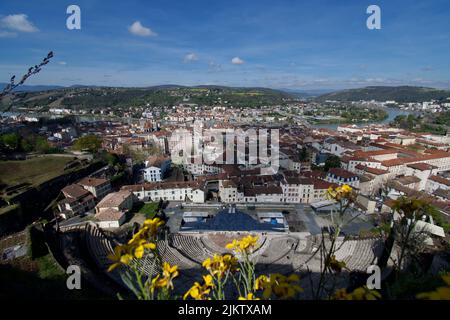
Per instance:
(119,97)
(381,93)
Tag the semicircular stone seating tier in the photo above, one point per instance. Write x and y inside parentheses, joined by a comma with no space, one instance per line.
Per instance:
(276,249)
(99,247)
(359,254)
(215,243)
(189,246)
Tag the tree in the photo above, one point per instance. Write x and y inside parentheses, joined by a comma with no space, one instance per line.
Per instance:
(41,145)
(303,154)
(11,141)
(111,158)
(345,197)
(89,143)
(332,162)
(404,232)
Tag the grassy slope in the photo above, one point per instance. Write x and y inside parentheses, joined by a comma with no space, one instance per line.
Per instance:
(38,278)
(149,209)
(33,171)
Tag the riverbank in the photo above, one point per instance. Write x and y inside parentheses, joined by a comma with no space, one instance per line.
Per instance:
(391,114)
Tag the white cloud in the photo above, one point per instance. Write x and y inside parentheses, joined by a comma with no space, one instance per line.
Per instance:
(7,34)
(139,30)
(63,63)
(18,22)
(214,67)
(237,60)
(190,57)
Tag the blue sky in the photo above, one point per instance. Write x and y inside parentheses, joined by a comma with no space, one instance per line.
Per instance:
(279,44)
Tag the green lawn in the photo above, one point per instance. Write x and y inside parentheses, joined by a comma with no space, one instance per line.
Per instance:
(37,278)
(149,210)
(33,171)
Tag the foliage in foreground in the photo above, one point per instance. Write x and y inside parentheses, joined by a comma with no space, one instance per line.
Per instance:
(238,269)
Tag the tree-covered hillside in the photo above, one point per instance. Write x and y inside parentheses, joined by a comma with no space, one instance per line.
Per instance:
(399,94)
(109,97)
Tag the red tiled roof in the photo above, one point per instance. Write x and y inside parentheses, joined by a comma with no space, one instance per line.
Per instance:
(75,191)
(262,190)
(162,185)
(440,180)
(375,153)
(394,162)
(92,182)
(342,173)
(109,214)
(421,166)
(371,170)
(321,184)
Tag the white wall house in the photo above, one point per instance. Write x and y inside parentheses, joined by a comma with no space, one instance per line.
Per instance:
(293,190)
(437,182)
(197,169)
(152,174)
(170,191)
(341,176)
(110,218)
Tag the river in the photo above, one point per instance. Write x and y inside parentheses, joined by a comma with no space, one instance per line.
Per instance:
(392,113)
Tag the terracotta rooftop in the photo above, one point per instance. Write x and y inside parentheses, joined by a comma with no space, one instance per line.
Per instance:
(75,191)
(442,193)
(92,182)
(440,180)
(421,166)
(406,180)
(371,170)
(162,185)
(262,190)
(109,214)
(299,180)
(321,184)
(156,161)
(342,173)
(395,162)
(114,199)
(374,153)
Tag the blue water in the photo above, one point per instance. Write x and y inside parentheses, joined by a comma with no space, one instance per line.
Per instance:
(392,113)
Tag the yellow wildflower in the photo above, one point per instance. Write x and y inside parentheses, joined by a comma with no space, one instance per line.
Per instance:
(249,296)
(261,281)
(361,293)
(158,282)
(139,248)
(219,264)
(232,245)
(340,294)
(169,273)
(441,293)
(281,286)
(248,242)
(200,292)
(339,193)
(245,245)
(121,256)
(142,234)
(334,264)
(152,226)
(346,188)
